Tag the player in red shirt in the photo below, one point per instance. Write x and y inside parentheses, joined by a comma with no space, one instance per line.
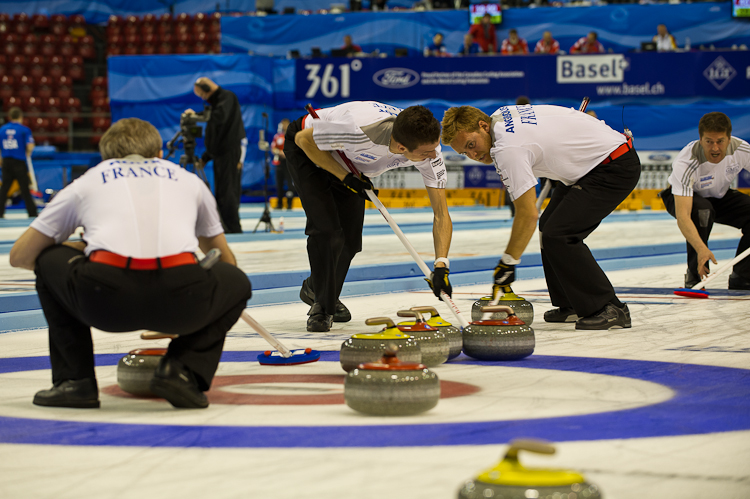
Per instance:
(484,35)
(547,45)
(587,45)
(514,45)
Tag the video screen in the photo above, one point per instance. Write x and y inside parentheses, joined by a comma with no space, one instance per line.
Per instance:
(741,8)
(478,10)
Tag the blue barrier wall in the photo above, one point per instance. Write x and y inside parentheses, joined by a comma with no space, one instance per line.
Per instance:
(620,28)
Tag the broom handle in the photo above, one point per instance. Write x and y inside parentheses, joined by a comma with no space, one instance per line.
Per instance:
(397,230)
(284,351)
(724,267)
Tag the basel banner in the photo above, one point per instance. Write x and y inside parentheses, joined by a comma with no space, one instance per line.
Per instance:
(721,74)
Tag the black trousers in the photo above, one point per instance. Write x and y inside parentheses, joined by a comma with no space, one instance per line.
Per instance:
(574,279)
(15,169)
(335,217)
(283,177)
(76,294)
(733,210)
(228,188)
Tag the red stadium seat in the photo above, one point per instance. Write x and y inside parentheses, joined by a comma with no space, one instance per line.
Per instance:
(76,59)
(7,80)
(64,80)
(182,48)
(47,49)
(58,28)
(29,49)
(97,94)
(66,50)
(149,19)
(216,48)
(147,29)
(4,18)
(24,81)
(99,82)
(101,122)
(115,38)
(77,20)
(11,38)
(64,92)
(59,18)
(17,70)
(200,48)
(21,17)
(10,48)
(183,18)
(40,22)
(45,80)
(44,92)
(38,59)
(21,28)
(76,72)
(185,38)
(87,51)
(18,59)
(165,18)
(200,18)
(131,49)
(148,49)
(55,71)
(31,38)
(13,101)
(165,48)
(132,39)
(149,38)
(3,59)
(34,104)
(100,104)
(86,39)
(24,92)
(164,29)
(72,106)
(36,71)
(202,37)
(114,50)
(53,105)
(166,38)
(60,128)
(6,91)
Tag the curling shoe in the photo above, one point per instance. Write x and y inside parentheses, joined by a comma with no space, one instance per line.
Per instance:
(319,321)
(340,313)
(608,317)
(736,281)
(691,279)
(77,393)
(175,382)
(562,314)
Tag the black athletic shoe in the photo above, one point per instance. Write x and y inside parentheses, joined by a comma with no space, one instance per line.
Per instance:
(736,281)
(608,317)
(77,393)
(691,278)
(340,313)
(176,383)
(319,321)
(562,314)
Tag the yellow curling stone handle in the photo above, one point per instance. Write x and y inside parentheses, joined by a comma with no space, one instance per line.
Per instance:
(512,473)
(390,332)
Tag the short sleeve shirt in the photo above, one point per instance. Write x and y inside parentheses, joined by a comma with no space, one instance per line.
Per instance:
(136,207)
(13,140)
(693,173)
(548,141)
(362,130)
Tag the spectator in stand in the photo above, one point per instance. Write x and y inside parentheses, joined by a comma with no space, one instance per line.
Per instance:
(522,100)
(437,47)
(587,45)
(514,45)
(484,35)
(351,48)
(547,45)
(469,47)
(664,40)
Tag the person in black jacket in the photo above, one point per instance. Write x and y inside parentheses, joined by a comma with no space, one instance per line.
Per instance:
(224,145)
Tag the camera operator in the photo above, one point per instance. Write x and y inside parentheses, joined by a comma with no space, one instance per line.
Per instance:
(224,135)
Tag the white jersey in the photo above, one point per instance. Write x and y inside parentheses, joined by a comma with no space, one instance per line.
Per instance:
(362,130)
(547,141)
(693,173)
(136,207)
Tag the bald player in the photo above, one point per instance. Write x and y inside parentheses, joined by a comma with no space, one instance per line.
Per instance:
(700,195)
(376,138)
(143,219)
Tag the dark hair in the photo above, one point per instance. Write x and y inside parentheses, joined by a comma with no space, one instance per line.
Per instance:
(522,100)
(715,122)
(14,113)
(512,31)
(416,126)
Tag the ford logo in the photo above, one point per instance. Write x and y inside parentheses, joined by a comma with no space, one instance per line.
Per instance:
(659,157)
(396,78)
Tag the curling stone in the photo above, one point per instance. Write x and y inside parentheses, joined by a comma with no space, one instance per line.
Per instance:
(369,347)
(507,339)
(523,309)
(391,387)
(432,342)
(511,480)
(136,370)
(455,340)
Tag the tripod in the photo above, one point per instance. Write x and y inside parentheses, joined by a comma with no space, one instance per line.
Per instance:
(264,146)
(187,159)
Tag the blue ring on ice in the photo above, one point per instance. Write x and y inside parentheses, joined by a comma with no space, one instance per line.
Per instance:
(707,399)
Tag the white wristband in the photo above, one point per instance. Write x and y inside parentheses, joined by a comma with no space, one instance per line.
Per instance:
(509,260)
(444,260)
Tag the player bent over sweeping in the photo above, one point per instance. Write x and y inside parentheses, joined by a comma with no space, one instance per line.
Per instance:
(597,168)
(375,138)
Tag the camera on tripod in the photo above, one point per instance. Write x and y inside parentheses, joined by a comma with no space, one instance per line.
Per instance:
(188,132)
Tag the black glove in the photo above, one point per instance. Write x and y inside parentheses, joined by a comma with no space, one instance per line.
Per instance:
(504,274)
(438,281)
(359,185)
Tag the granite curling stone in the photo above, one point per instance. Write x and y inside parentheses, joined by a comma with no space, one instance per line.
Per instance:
(455,339)
(136,370)
(391,387)
(523,308)
(511,480)
(507,339)
(432,342)
(369,347)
